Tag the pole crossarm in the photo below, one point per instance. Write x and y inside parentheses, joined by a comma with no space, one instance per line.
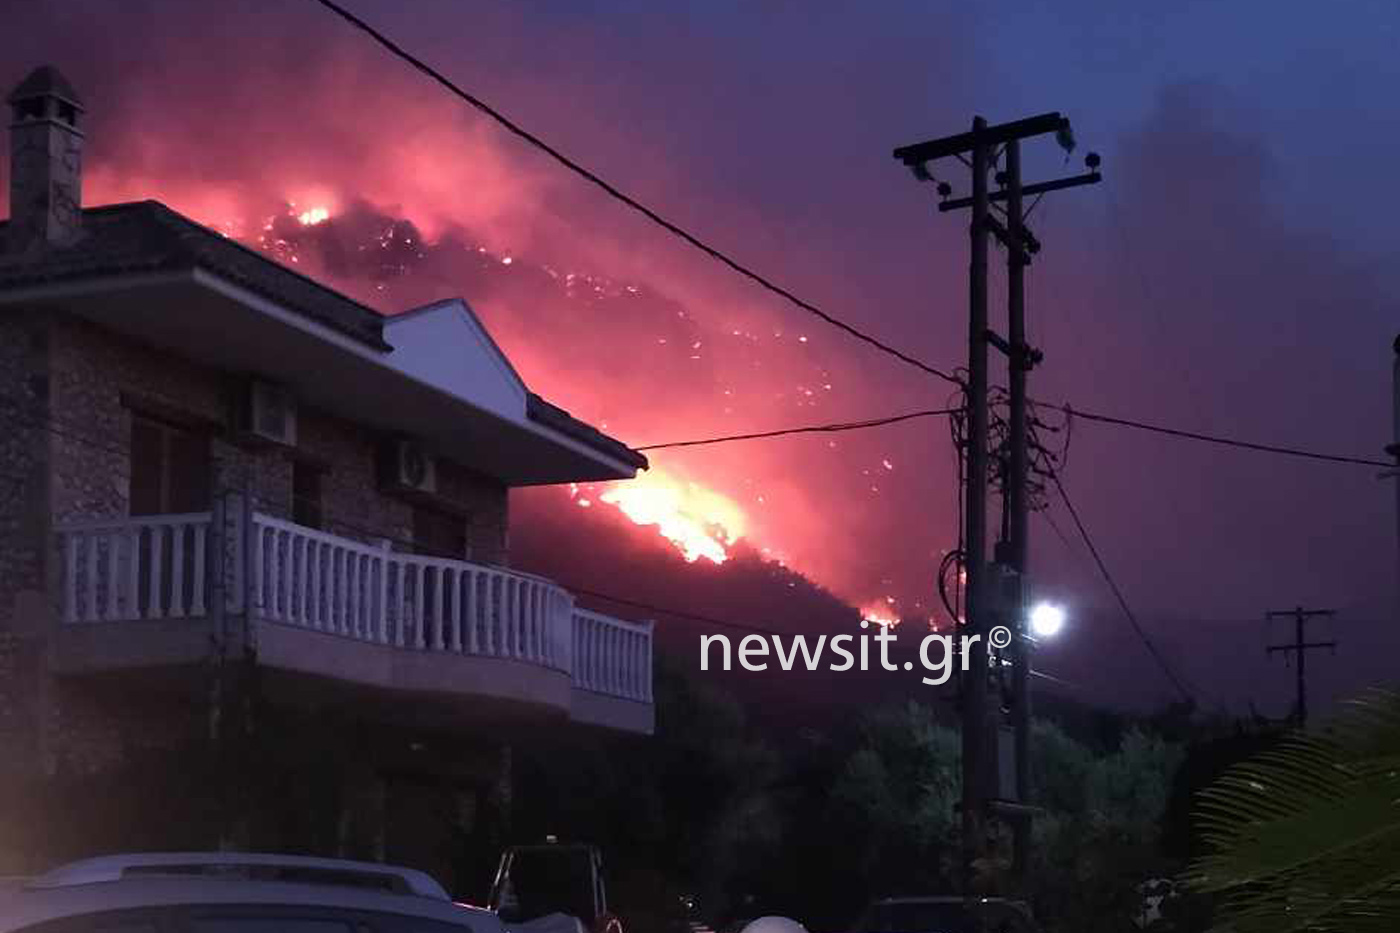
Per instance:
(1299,648)
(919,153)
(1305,645)
(1040,187)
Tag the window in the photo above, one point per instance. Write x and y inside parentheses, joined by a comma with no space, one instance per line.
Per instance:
(306,495)
(170,472)
(439,534)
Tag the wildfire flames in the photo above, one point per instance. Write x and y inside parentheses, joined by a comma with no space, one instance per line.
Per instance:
(881,613)
(314,216)
(698,521)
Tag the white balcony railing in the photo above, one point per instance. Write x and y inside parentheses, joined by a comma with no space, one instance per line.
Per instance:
(152,567)
(612,656)
(327,583)
(165,567)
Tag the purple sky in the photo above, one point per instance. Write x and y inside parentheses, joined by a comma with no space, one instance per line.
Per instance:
(1228,276)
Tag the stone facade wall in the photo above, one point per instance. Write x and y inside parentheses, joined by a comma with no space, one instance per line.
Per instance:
(69,391)
(99,379)
(485,507)
(353,505)
(24,524)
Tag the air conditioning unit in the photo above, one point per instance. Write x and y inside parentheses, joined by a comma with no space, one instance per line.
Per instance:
(407,467)
(270,414)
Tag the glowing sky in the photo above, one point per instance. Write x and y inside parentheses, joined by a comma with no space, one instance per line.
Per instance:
(1228,276)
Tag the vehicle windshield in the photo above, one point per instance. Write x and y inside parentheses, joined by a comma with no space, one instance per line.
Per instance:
(547,882)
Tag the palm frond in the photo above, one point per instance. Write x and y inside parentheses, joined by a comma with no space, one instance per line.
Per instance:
(1306,837)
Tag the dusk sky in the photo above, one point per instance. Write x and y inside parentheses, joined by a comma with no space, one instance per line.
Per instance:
(1228,276)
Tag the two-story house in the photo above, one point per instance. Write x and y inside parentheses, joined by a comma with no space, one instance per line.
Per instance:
(238,508)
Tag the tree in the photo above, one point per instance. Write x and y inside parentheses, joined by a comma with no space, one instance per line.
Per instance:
(894,802)
(1098,837)
(1306,836)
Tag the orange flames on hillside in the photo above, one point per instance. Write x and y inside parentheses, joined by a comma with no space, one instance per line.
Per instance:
(313,216)
(881,613)
(698,521)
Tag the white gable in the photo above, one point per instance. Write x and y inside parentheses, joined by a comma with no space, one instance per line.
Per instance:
(445,346)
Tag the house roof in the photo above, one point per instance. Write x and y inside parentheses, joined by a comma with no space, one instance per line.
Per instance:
(147,236)
(551,415)
(536,408)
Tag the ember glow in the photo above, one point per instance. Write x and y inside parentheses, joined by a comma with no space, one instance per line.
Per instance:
(882,613)
(314,216)
(698,521)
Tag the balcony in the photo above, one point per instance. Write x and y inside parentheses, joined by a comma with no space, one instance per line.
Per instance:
(357,619)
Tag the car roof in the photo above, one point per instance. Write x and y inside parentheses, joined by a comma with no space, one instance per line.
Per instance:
(30,905)
(246,879)
(116,867)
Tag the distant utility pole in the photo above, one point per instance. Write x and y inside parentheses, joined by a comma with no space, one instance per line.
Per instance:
(986,145)
(1300,647)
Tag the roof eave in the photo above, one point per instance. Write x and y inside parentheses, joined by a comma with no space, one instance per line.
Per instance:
(543,412)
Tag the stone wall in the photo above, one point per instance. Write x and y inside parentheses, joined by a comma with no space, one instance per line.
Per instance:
(484,505)
(68,394)
(99,379)
(24,524)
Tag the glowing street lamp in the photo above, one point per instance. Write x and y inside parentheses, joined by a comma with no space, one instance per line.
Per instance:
(1046,620)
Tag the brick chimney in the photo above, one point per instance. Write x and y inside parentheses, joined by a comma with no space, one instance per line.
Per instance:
(46,162)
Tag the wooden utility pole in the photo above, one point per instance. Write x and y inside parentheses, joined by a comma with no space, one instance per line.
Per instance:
(976,737)
(1018,528)
(1300,647)
(978,726)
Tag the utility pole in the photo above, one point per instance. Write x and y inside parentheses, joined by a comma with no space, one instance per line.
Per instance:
(1300,647)
(1019,364)
(978,727)
(975,735)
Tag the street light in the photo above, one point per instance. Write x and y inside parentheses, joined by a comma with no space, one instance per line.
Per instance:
(1046,620)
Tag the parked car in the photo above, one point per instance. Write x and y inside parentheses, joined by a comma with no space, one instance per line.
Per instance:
(945,914)
(235,893)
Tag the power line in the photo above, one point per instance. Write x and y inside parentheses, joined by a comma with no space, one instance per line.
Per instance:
(1223,441)
(770,286)
(51,424)
(1071,414)
(811,429)
(618,195)
(1113,585)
